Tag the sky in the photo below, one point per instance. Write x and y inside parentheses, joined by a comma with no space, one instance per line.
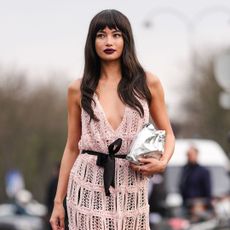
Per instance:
(49,36)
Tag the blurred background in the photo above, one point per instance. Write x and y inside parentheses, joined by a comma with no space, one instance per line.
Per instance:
(185,43)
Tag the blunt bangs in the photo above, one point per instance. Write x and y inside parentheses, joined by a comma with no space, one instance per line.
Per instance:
(109,18)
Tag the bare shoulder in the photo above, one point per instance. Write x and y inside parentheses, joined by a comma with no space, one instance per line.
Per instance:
(75,85)
(153,83)
(74,90)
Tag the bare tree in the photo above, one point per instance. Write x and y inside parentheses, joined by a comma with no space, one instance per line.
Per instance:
(205,117)
(32,129)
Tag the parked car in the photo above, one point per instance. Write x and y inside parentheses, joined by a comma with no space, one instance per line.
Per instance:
(21,222)
(24,214)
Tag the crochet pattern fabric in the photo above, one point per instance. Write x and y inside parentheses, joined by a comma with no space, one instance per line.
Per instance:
(127,206)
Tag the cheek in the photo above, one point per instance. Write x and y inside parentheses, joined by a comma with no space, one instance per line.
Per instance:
(121,45)
(97,46)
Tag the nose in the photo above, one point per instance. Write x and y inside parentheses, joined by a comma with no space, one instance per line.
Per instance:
(109,41)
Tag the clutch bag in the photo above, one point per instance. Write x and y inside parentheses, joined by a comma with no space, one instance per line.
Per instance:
(149,142)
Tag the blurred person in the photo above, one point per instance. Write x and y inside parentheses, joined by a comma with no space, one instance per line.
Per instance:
(22,199)
(50,194)
(156,197)
(14,182)
(157,194)
(106,109)
(195,184)
(52,187)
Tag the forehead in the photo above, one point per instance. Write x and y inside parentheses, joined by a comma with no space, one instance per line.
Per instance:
(191,151)
(107,29)
(110,19)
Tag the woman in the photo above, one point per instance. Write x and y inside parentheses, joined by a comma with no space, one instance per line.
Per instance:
(106,109)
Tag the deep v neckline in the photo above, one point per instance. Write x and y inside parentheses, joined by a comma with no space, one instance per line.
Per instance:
(106,119)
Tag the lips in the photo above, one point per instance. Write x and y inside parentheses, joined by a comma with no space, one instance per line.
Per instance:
(109,51)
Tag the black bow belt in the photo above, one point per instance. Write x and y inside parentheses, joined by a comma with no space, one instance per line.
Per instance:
(107,161)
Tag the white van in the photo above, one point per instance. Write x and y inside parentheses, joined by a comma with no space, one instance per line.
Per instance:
(211,155)
(170,214)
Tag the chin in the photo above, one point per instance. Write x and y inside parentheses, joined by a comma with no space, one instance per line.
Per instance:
(110,58)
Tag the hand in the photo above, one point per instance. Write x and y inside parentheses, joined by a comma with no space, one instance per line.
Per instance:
(58,216)
(149,166)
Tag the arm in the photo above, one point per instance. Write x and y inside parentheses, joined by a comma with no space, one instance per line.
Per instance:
(70,154)
(159,115)
(182,181)
(207,184)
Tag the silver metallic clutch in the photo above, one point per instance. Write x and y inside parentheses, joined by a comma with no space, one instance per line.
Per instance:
(149,142)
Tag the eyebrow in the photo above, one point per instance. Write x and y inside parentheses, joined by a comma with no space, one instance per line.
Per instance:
(114,31)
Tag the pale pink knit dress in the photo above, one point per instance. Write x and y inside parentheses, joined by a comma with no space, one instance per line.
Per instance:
(127,206)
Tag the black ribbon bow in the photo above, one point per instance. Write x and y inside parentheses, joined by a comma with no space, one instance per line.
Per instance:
(107,161)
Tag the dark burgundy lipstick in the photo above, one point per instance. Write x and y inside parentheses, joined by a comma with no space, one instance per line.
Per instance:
(109,51)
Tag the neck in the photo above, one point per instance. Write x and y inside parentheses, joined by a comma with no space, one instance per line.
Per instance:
(192,164)
(110,71)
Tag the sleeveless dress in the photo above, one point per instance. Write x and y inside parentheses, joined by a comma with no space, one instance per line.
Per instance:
(88,207)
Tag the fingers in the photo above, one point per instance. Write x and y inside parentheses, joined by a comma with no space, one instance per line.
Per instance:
(148,166)
(135,167)
(141,169)
(57,224)
(54,224)
(62,224)
(147,160)
(57,218)
(138,168)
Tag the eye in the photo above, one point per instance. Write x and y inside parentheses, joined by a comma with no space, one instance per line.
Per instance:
(100,35)
(117,35)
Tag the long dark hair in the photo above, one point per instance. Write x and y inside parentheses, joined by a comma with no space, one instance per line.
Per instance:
(133,82)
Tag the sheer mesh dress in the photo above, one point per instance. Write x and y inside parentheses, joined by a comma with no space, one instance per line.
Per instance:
(126,208)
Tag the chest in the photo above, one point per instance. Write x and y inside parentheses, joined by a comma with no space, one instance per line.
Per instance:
(111,104)
(195,177)
(112,108)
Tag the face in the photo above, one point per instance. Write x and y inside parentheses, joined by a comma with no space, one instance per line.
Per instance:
(109,44)
(192,156)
